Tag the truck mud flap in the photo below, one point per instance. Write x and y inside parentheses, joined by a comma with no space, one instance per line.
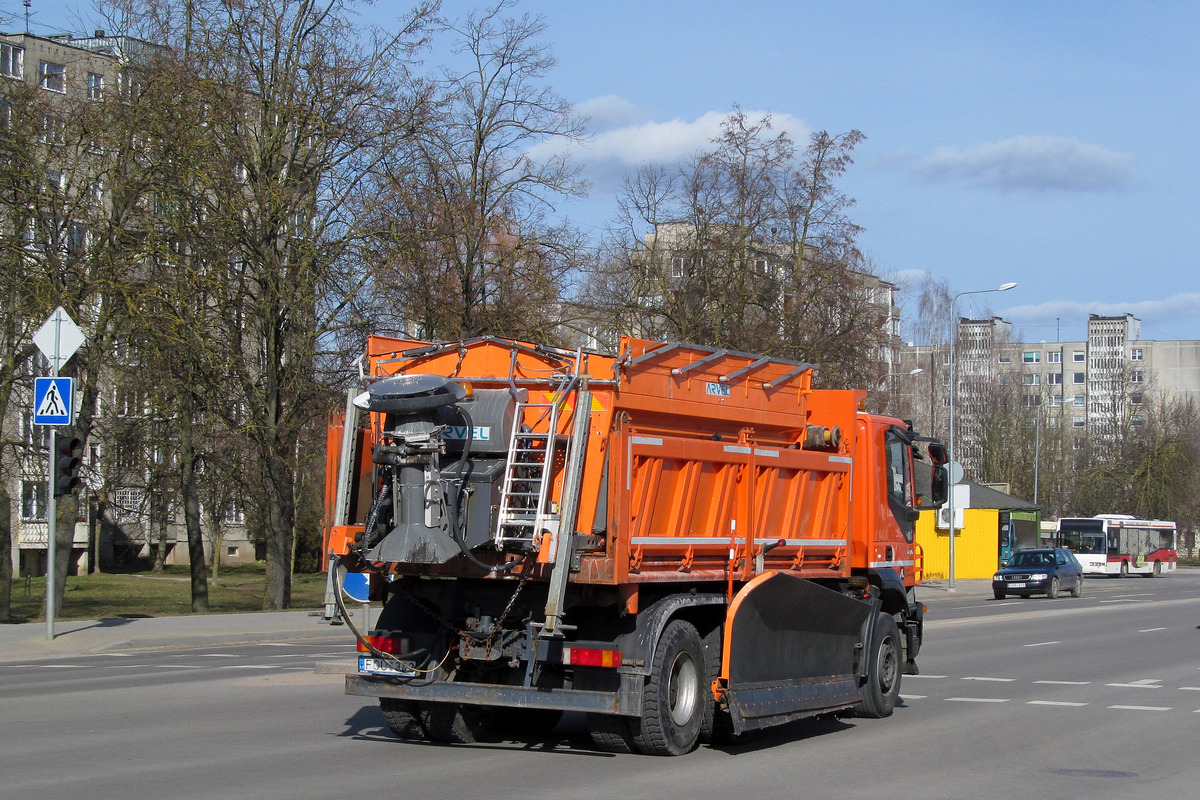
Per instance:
(792,650)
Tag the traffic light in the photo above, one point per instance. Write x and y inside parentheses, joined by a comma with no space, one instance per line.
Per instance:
(68,456)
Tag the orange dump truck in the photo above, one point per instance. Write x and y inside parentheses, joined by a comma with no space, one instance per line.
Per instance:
(683,543)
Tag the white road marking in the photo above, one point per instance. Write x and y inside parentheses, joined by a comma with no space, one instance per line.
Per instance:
(912,696)
(1151,630)
(1064,683)
(994,680)
(1053,703)
(1189,688)
(1142,708)
(977,699)
(1145,683)
(910,677)
(1040,644)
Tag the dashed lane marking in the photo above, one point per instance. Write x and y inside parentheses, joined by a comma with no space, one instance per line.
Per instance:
(1151,630)
(993,680)
(1064,683)
(1041,644)
(1141,708)
(1054,703)
(978,699)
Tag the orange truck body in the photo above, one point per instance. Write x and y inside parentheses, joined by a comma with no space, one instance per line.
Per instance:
(686,494)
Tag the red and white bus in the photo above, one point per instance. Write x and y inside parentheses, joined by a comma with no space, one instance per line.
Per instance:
(1118,544)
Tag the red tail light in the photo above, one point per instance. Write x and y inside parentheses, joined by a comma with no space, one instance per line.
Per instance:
(591,657)
(384,644)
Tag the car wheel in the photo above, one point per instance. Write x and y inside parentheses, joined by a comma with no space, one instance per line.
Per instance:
(999,595)
(1052,592)
(1078,590)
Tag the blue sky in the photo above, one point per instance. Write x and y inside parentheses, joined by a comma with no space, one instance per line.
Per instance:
(1049,143)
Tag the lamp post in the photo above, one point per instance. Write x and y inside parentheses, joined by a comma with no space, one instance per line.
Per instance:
(1004,287)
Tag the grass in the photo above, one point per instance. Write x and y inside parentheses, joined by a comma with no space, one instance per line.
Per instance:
(238,589)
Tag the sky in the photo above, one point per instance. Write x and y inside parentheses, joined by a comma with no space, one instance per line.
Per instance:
(1053,144)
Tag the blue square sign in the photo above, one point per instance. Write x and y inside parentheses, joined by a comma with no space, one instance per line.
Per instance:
(52,401)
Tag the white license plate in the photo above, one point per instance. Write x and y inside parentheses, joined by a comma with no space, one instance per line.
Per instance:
(379,666)
(1011,586)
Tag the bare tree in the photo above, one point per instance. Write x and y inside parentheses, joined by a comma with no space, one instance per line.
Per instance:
(469,248)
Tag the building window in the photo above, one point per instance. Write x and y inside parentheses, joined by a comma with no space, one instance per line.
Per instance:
(33,501)
(1136,398)
(1078,400)
(54,181)
(1033,400)
(231,551)
(1078,378)
(1054,358)
(1078,422)
(126,505)
(1136,376)
(1135,354)
(1137,421)
(52,77)
(1031,379)
(1078,357)
(1054,379)
(1054,401)
(12,61)
(95,86)
(676,262)
(53,130)
(1005,358)
(1032,358)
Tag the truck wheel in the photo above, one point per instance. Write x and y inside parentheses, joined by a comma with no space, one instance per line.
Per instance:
(455,723)
(403,717)
(610,733)
(716,725)
(673,702)
(883,670)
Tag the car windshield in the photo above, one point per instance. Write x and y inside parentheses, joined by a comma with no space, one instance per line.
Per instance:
(1032,560)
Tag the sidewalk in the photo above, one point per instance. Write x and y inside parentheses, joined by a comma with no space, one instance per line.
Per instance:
(89,637)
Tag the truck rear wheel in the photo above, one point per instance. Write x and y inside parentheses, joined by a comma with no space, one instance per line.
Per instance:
(456,723)
(674,700)
(403,717)
(882,689)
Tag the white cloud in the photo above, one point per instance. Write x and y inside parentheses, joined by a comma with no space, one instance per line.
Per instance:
(625,135)
(1031,162)
(1152,313)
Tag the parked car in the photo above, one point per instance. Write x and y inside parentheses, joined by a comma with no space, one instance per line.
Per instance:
(1046,571)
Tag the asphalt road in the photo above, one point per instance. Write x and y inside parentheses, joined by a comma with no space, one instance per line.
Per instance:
(1096,697)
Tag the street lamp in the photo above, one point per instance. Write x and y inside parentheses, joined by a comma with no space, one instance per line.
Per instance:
(883,381)
(1004,287)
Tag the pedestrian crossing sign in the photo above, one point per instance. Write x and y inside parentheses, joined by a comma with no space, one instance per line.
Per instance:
(52,401)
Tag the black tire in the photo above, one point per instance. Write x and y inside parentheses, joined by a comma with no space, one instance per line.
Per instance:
(1052,592)
(610,733)
(403,718)
(453,723)
(882,688)
(999,595)
(673,703)
(1078,590)
(716,727)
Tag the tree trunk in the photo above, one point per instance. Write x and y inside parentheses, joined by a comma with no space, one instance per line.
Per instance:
(6,565)
(191,509)
(280,513)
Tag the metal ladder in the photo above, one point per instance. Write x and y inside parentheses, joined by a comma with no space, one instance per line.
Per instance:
(522,514)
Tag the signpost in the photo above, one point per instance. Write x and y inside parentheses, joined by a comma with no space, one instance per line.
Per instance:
(53,404)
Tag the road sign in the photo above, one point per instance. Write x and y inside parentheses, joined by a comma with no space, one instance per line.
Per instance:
(58,338)
(356,586)
(53,401)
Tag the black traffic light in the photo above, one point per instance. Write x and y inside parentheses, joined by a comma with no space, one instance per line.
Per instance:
(68,456)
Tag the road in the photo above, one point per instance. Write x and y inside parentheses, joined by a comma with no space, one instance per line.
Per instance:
(1095,697)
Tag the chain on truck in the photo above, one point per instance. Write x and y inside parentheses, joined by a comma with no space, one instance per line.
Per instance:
(683,543)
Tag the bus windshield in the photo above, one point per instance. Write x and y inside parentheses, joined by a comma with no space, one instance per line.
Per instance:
(1083,540)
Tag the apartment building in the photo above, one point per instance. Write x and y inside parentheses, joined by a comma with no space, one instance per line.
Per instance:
(1096,386)
(117,503)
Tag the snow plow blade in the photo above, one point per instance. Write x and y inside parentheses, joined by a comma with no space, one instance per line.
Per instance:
(793,649)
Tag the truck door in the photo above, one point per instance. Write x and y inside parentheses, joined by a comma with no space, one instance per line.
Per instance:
(901,498)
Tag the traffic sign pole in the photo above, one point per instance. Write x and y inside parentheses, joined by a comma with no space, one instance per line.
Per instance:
(58,339)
